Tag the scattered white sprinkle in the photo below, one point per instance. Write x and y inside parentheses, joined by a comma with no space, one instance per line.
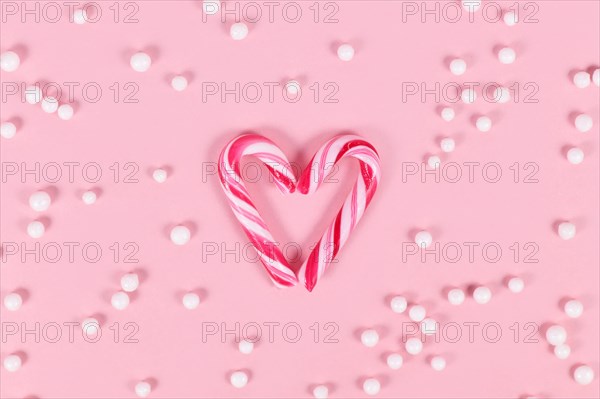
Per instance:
(89,197)
(49,104)
(238,31)
(179,83)
(483,124)
(65,112)
(516,284)
(292,87)
(417,313)
(321,392)
(507,55)
(447,144)
(40,201)
(211,7)
(582,79)
(510,18)
(120,300)
(584,123)
(9,61)
(398,304)
(468,96)
(36,229)
(12,363)
(246,347)
(596,77)
(482,295)
(471,5)
(80,17)
(345,52)
(575,155)
(239,379)
(369,338)
(180,235)
(143,389)
(429,326)
(456,296)
(8,130)
(33,94)
(413,346)
(90,326)
(573,308)
(501,95)
(566,230)
(562,351)
(423,239)
(583,375)
(13,301)
(433,161)
(556,335)
(130,282)
(458,66)
(447,114)
(438,363)
(159,175)
(140,62)
(190,301)
(395,361)
(371,386)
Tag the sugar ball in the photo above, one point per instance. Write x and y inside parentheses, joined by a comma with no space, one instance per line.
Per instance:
(471,5)
(583,375)
(516,284)
(180,235)
(566,230)
(246,347)
(140,62)
(447,114)
(423,239)
(159,175)
(573,308)
(49,104)
(398,304)
(143,389)
(371,386)
(413,346)
(9,61)
(13,301)
(238,31)
(211,7)
(501,95)
(596,77)
(79,16)
(438,363)
(556,335)
(482,295)
(456,296)
(179,83)
(584,123)
(369,338)
(483,124)
(321,392)
(394,361)
(65,112)
(429,326)
(12,363)
(40,201)
(562,351)
(130,282)
(447,144)
(36,229)
(8,130)
(468,96)
(345,52)
(507,55)
(33,94)
(417,313)
(90,326)
(510,18)
(89,197)
(292,87)
(190,301)
(575,155)
(433,161)
(239,379)
(458,66)
(120,300)
(582,79)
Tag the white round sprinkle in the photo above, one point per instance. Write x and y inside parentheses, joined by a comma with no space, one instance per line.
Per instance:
(8,130)
(371,386)
(423,239)
(507,55)
(395,361)
(65,112)
(501,95)
(575,155)
(90,326)
(510,18)
(582,79)
(458,66)
(246,347)
(12,363)
(584,123)
(417,313)
(438,363)
(140,62)
(49,104)
(89,197)
(80,17)
(33,94)
(516,284)
(573,308)
(179,83)
(482,295)
(433,161)
(119,300)
(413,346)
(143,389)
(238,31)
(398,304)
(429,326)
(211,7)
(596,77)
(239,379)
(468,96)
(191,301)
(447,114)
(292,87)
(159,175)
(345,52)
(9,61)
(180,235)
(562,351)
(321,392)
(36,229)
(566,230)
(40,201)
(556,335)
(130,282)
(483,124)
(447,144)
(471,5)
(369,338)
(456,296)
(13,301)
(584,375)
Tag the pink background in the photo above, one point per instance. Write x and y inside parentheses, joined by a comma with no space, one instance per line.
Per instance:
(180,131)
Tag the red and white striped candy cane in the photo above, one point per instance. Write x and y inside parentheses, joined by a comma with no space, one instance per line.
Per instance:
(253,224)
(354,206)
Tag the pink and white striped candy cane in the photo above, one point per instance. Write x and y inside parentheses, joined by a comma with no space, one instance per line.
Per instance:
(354,206)
(253,224)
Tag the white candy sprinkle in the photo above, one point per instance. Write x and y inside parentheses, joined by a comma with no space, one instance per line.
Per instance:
(575,155)
(180,235)
(471,5)
(438,363)
(507,55)
(9,61)
(483,124)
(159,175)
(33,94)
(13,301)
(584,123)
(36,229)
(566,230)
(583,375)
(429,326)
(482,295)
(292,87)
(371,386)
(562,351)
(573,308)
(468,96)
(12,363)
(8,130)
(433,161)
(90,326)
(447,144)
(140,62)
(556,335)
(238,31)
(516,285)
(398,304)
(49,104)
(239,379)
(143,389)
(119,300)
(130,282)
(190,301)
(456,296)
(395,361)
(582,79)
(596,77)
(179,83)
(458,66)
(80,17)
(423,239)
(501,95)
(246,347)
(447,114)
(65,112)
(321,392)
(211,7)
(40,201)
(345,52)
(510,18)
(413,346)
(417,313)
(369,338)
(89,197)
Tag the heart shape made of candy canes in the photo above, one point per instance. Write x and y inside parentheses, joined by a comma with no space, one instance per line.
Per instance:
(336,235)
